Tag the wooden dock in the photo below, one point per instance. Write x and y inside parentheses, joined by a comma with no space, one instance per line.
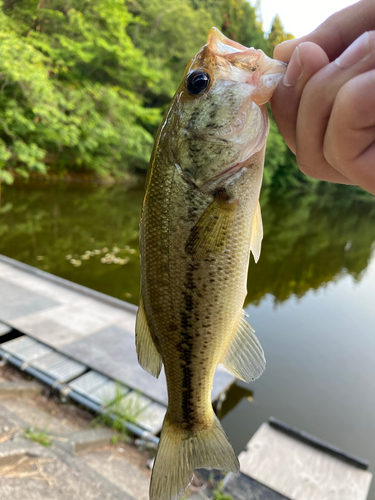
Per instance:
(80,338)
(282,464)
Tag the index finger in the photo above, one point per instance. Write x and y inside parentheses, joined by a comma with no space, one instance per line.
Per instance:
(336,33)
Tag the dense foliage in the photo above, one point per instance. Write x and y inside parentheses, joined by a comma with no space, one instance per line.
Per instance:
(84,84)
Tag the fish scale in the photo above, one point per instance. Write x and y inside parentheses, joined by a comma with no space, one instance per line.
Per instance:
(200,220)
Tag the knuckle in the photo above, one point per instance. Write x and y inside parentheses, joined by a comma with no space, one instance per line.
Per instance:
(306,166)
(331,154)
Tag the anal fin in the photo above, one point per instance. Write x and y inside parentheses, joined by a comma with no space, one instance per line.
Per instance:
(245,357)
(148,356)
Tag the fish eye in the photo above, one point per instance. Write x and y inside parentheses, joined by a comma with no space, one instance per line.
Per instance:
(197,82)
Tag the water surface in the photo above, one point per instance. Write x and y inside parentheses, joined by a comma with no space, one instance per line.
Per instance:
(310,297)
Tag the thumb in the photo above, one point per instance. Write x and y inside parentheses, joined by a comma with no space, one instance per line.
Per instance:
(307,59)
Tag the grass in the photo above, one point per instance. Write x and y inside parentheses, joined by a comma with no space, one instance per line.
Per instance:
(40,437)
(118,411)
(219,495)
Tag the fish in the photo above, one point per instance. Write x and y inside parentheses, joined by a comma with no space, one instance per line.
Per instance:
(200,220)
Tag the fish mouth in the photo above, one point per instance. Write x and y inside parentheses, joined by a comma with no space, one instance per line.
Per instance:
(246,65)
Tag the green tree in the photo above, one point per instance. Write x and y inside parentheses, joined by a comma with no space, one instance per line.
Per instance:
(71,88)
(277,33)
(170,32)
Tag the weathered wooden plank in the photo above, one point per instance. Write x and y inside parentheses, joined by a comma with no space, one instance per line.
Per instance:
(300,471)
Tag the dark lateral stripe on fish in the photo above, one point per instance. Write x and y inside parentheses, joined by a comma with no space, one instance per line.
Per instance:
(186,346)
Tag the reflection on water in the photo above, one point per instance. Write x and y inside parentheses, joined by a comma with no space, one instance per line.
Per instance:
(310,297)
(309,241)
(90,235)
(77,233)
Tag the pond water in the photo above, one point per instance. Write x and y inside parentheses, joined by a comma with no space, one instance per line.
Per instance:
(310,297)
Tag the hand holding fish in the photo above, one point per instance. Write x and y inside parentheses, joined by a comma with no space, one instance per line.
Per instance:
(325,106)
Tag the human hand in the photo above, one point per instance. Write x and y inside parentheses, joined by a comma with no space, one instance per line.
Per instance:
(325,106)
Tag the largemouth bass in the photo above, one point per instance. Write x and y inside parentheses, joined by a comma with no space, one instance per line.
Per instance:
(200,220)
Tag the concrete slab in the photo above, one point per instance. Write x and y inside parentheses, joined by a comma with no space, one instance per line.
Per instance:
(18,388)
(133,403)
(112,351)
(4,329)
(127,323)
(59,367)
(12,451)
(299,471)
(63,285)
(32,416)
(4,269)
(36,284)
(25,348)
(16,301)
(109,392)
(46,330)
(9,421)
(110,313)
(88,383)
(242,487)
(58,476)
(151,418)
(78,317)
(86,440)
(130,478)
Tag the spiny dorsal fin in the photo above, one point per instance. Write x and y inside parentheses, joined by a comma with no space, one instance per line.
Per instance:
(256,233)
(244,357)
(148,356)
(210,233)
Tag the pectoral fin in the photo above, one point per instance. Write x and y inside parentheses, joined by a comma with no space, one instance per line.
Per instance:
(256,233)
(244,357)
(210,233)
(148,356)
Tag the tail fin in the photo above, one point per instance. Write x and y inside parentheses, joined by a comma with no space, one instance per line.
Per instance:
(181,451)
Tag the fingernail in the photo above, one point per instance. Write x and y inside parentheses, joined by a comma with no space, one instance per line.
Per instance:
(294,70)
(355,52)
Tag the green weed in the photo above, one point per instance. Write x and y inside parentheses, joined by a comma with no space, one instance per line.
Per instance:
(219,495)
(40,437)
(119,410)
